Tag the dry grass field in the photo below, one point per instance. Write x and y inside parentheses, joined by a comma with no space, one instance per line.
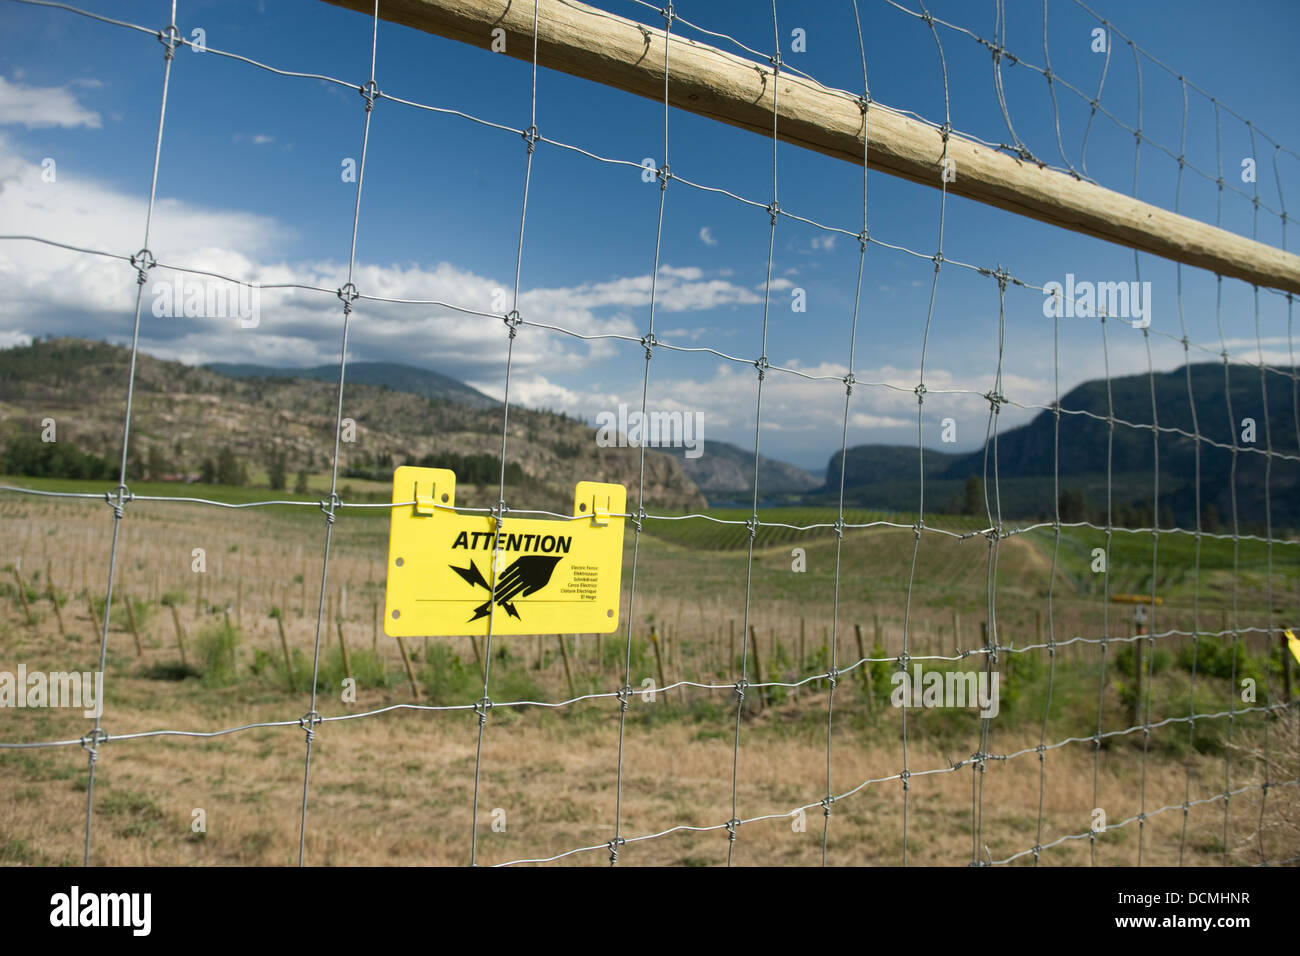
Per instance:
(397,787)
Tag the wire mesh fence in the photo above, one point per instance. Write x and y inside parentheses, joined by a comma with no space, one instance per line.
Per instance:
(746,687)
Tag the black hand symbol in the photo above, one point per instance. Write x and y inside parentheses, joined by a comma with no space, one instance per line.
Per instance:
(526,575)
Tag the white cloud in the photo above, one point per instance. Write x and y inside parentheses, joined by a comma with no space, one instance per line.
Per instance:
(679,289)
(257,139)
(56,291)
(824,243)
(694,334)
(537,391)
(9,340)
(865,420)
(690,273)
(42,107)
(799,408)
(706,236)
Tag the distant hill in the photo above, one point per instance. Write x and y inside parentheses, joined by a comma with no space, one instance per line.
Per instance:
(391,375)
(725,470)
(184,415)
(876,464)
(886,476)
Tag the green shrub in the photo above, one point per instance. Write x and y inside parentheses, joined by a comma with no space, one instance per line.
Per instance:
(368,669)
(447,680)
(1158,661)
(216,646)
(1214,657)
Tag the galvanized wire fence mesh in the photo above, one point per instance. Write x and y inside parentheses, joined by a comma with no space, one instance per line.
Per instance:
(513,324)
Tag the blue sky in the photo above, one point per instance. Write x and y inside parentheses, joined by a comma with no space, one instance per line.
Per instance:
(250,186)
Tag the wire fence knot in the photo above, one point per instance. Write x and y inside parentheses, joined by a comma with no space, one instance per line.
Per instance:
(308,722)
(347,294)
(849,382)
(513,320)
(118,498)
(170,37)
(143,261)
(481,707)
(741,686)
(329,505)
(531,136)
(370,92)
(90,742)
(613,845)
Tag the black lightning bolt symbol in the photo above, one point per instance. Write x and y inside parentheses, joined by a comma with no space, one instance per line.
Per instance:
(526,575)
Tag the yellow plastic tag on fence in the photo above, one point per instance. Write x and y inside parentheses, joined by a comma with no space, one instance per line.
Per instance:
(551,576)
(1293,642)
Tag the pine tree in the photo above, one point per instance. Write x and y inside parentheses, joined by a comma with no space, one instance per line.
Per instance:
(277,470)
(229,469)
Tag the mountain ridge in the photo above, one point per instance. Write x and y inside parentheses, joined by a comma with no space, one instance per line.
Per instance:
(396,376)
(185,416)
(1026,456)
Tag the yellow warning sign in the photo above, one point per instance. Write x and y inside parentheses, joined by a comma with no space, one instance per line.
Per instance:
(450,573)
(1293,643)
